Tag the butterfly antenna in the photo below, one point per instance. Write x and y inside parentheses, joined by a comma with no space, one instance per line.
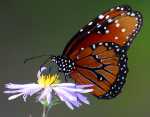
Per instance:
(34,57)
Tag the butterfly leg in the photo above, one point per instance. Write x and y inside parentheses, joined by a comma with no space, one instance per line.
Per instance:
(66,77)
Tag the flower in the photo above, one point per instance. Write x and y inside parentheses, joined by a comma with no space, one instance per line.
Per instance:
(49,86)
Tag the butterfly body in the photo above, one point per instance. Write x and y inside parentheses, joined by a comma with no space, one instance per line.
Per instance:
(64,64)
(97,54)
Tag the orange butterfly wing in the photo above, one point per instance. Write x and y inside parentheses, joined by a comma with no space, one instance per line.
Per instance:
(99,50)
(105,66)
(118,25)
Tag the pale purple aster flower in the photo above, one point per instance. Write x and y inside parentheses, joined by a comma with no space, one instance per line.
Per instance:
(49,86)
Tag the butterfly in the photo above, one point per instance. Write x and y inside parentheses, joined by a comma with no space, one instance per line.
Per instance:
(97,54)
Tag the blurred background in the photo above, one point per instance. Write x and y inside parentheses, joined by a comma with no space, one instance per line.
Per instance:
(34,27)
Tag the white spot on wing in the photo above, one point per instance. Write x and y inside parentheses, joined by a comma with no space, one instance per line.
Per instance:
(128,13)
(81,30)
(98,25)
(122,14)
(77,57)
(107,17)
(106,44)
(116,37)
(123,30)
(90,23)
(116,21)
(98,32)
(107,31)
(124,42)
(128,44)
(97,56)
(127,37)
(101,16)
(112,9)
(110,20)
(82,49)
(105,28)
(100,44)
(117,25)
(133,14)
(136,25)
(118,8)
(93,46)
(136,19)
(88,32)
(118,50)
(122,9)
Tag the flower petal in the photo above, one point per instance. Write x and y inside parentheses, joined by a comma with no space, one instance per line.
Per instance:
(23,89)
(19,86)
(73,91)
(69,104)
(84,86)
(34,90)
(64,99)
(65,93)
(76,103)
(49,98)
(65,85)
(82,98)
(77,89)
(14,96)
(46,93)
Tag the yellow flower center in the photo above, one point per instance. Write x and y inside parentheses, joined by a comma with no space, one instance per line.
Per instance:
(47,80)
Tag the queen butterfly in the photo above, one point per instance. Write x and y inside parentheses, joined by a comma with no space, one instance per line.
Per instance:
(97,54)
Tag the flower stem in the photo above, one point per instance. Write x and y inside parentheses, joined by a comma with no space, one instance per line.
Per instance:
(44,114)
